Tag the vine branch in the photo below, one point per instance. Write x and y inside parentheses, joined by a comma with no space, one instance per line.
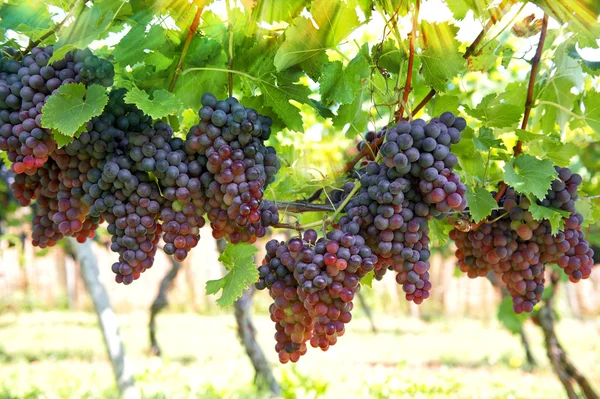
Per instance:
(535,64)
(411,58)
(495,17)
(230,52)
(192,29)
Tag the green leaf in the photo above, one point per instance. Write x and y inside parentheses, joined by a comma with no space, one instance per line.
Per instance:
(438,232)
(368,279)
(389,56)
(485,60)
(485,140)
(276,10)
(72,106)
(559,153)
(481,203)
(553,215)
(529,175)
(592,109)
(339,84)
(239,261)
(441,103)
(526,136)
(506,315)
(495,114)
(25,16)
(130,50)
(441,59)
(162,104)
(590,211)
(354,115)
(460,8)
(90,25)
(158,60)
(335,21)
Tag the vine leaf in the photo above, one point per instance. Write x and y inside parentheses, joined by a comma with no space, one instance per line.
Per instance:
(162,104)
(589,210)
(274,10)
(506,315)
(481,203)
(25,16)
(554,215)
(441,103)
(494,113)
(441,58)
(592,110)
(353,114)
(339,84)
(72,106)
(485,140)
(439,230)
(130,49)
(389,56)
(368,279)
(90,25)
(335,21)
(239,261)
(529,175)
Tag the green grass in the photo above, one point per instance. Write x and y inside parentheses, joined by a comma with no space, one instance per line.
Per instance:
(62,355)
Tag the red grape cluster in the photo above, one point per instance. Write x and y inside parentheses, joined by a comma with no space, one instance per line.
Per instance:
(229,144)
(24,87)
(517,247)
(313,282)
(413,183)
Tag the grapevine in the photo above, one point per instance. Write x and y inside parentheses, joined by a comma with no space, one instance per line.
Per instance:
(105,140)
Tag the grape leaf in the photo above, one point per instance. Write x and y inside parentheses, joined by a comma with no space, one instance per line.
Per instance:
(368,279)
(460,8)
(130,49)
(389,56)
(481,203)
(162,103)
(158,60)
(590,211)
(526,136)
(275,10)
(335,21)
(529,175)
(438,231)
(354,115)
(339,84)
(485,140)
(485,60)
(441,103)
(441,59)
(25,16)
(554,215)
(72,106)
(559,153)
(90,25)
(238,259)
(506,315)
(592,109)
(495,114)
(4,158)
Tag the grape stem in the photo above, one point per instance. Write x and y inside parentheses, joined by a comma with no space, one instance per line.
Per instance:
(51,32)
(495,17)
(230,52)
(535,64)
(192,29)
(326,220)
(411,58)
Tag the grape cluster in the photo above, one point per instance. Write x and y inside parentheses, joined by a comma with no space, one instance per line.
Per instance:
(517,247)
(413,183)
(131,171)
(313,282)
(229,143)
(24,88)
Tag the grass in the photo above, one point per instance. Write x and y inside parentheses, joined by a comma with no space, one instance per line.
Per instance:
(62,355)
